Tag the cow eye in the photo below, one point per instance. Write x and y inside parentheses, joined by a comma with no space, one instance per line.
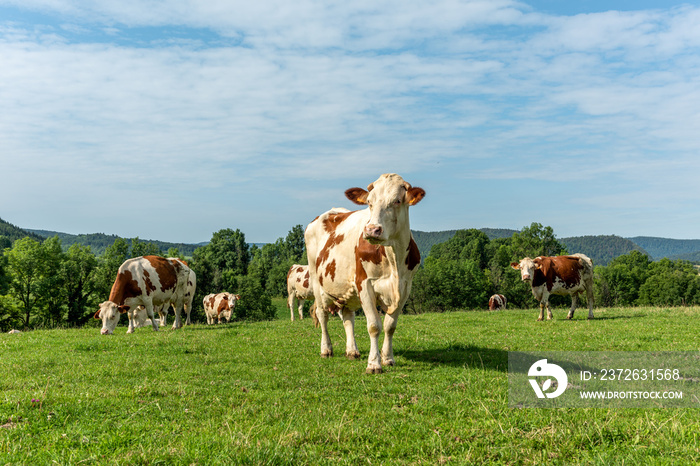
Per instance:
(397,202)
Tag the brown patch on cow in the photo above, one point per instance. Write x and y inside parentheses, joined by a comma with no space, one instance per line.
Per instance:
(366,252)
(125,286)
(413,258)
(330,269)
(306,279)
(325,253)
(331,222)
(167,271)
(150,287)
(566,268)
(212,301)
(223,305)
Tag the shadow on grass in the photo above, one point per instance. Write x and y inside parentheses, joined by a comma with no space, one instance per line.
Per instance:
(460,355)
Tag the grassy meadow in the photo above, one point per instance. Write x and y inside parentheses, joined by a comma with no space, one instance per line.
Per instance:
(259,393)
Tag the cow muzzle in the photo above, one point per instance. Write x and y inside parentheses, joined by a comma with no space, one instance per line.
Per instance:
(526,277)
(373,232)
(105,331)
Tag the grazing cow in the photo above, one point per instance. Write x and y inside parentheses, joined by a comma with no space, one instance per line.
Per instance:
(189,296)
(147,281)
(299,288)
(366,259)
(219,305)
(562,275)
(497,301)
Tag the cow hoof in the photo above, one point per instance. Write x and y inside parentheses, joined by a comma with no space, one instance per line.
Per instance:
(131,330)
(352,355)
(327,354)
(374,370)
(388,362)
(539,319)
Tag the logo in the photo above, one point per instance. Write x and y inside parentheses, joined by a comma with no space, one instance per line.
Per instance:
(542,368)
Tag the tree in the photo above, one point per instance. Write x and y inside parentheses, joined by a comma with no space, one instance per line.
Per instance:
(79,273)
(50,290)
(534,241)
(25,263)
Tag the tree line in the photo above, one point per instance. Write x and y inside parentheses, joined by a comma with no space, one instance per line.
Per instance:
(43,286)
(464,271)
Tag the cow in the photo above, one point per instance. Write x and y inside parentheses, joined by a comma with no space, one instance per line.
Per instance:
(147,281)
(218,305)
(561,275)
(497,301)
(189,297)
(365,259)
(299,289)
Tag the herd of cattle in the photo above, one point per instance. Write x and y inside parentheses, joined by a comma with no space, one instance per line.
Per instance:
(361,259)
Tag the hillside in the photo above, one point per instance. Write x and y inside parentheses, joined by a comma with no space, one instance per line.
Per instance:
(688,249)
(13,232)
(99,242)
(602,248)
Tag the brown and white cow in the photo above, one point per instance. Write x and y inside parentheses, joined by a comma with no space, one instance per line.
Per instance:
(146,281)
(299,289)
(219,305)
(561,275)
(187,307)
(497,301)
(366,259)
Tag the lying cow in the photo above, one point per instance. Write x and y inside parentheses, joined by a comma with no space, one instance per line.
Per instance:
(366,259)
(299,289)
(497,301)
(219,305)
(561,275)
(146,281)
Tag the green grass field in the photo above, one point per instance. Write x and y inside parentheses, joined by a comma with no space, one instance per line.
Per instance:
(259,393)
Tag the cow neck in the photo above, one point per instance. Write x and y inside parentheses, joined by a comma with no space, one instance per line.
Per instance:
(397,251)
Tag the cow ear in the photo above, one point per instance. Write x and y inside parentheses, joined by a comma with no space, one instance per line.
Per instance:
(515,265)
(414,195)
(538,263)
(97,314)
(357,195)
(123,309)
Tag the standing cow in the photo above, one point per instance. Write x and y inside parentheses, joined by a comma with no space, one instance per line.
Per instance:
(366,259)
(561,275)
(299,289)
(147,281)
(218,305)
(497,301)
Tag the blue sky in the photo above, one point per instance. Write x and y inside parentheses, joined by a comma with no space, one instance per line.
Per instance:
(173,119)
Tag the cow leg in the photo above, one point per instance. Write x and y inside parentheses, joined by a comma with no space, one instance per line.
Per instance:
(301,308)
(290,305)
(390,321)
(541,317)
(574,301)
(589,298)
(188,309)
(549,310)
(163,313)
(326,346)
(132,321)
(151,315)
(374,328)
(351,351)
(178,310)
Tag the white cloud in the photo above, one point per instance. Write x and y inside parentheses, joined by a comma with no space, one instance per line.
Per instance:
(237,96)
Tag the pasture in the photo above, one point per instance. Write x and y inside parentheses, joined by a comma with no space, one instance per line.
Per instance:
(259,393)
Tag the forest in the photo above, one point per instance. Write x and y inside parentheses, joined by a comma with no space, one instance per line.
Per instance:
(45,285)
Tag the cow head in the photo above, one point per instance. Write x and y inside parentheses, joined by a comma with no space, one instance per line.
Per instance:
(527,268)
(109,313)
(388,200)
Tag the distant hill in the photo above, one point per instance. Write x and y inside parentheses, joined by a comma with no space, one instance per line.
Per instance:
(601,249)
(99,242)
(671,248)
(13,233)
